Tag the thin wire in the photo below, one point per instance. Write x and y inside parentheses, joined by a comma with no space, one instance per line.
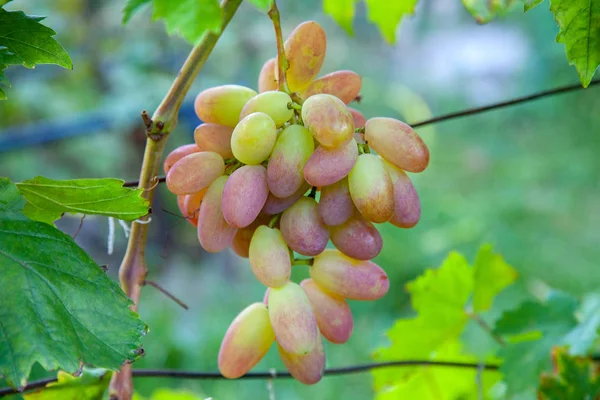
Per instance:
(468,112)
(353,369)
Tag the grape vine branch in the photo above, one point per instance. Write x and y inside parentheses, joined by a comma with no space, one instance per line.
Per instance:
(469,111)
(132,272)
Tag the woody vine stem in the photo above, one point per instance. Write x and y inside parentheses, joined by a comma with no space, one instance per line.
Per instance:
(132,272)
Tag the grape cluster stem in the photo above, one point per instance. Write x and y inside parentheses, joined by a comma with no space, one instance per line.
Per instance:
(282,62)
(132,272)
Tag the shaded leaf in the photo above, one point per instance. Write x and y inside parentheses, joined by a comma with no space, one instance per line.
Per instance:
(131,7)
(529,4)
(492,275)
(583,336)
(189,18)
(531,331)
(387,15)
(262,4)
(57,306)
(579,31)
(30,42)
(91,385)
(576,378)
(48,199)
(342,12)
(485,10)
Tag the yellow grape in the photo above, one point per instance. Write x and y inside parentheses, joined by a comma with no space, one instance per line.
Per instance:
(177,154)
(328,120)
(195,172)
(292,150)
(334,317)
(293,319)
(246,342)
(213,137)
(253,138)
(347,277)
(308,368)
(270,257)
(214,233)
(398,143)
(345,85)
(267,79)
(273,103)
(305,50)
(222,104)
(407,207)
(371,188)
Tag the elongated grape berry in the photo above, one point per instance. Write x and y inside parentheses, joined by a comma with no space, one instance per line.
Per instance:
(328,120)
(244,195)
(303,229)
(371,188)
(273,103)
(195,172)
(328,166)
(308,368)
(214,233)
(305,50)
(335,204)
(222,104)
(269,257)
(253,138)
(357,238)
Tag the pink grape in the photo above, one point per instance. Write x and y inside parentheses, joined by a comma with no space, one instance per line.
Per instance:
(246,342)
(222,104)
(326,167)
(328,120)
(358,117)
(371,188)
(195,172)
(305,50)
(309,368)
(335,204)
(303,229)
(293,319)
(270,257)
(357,238)
(177,154)
(290,154)
(244,195)
(267,79)
(398,143)
(190,217)
(275,205)
(349,278)
(214,233)
(213,137)
(407,206)
(345,85)
(334,317)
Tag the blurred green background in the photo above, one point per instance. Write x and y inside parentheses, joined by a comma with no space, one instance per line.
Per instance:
(525,178)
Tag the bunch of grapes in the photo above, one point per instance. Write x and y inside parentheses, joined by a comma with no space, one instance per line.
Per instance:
(287,170)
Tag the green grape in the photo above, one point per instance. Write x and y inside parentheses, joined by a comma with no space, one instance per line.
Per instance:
(270,257)
(195,172)
(253,138)
(328,120)
(292,150)
(293,319)
(308,368)
(222,104)
(371,188)
(345,85)
(273,103)
(398,143)
(246,342)
(305,51)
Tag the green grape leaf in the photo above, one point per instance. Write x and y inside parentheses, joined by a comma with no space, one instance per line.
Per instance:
(531,331)
(48,199)
(262,4)
(492,275)
(583,336)
(342,12)
(29,41)
(57,306)
(485,10)
(387,15)
(131,7)
(529,4)
(91,385)
(189,18)
(579,31)
(576,378)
